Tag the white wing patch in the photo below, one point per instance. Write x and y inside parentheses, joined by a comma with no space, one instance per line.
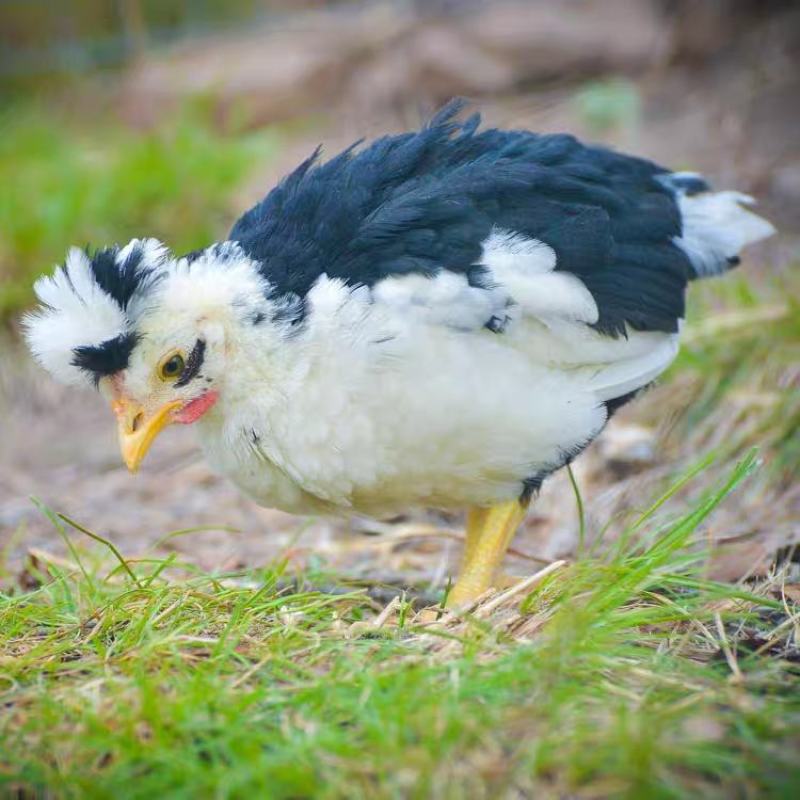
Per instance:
(505,251)
(442,299)
(526,269)
(565,308)
(522,282)
(628,374)
(75,312)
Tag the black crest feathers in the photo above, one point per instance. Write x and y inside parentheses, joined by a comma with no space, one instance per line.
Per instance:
(106,358)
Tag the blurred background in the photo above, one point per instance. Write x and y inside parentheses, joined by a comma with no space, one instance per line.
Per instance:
(167,118)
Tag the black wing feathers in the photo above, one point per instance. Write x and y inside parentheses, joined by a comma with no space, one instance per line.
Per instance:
(420,202)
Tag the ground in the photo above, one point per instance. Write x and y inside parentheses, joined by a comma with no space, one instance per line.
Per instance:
(235,650)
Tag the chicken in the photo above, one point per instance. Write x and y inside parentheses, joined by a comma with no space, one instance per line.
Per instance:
(442,318)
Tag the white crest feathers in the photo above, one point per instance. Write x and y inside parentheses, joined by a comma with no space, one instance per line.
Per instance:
(76,311)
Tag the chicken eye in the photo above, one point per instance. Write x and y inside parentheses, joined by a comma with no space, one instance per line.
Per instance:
(172,367)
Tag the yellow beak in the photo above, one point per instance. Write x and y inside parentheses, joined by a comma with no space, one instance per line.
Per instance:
(137,431)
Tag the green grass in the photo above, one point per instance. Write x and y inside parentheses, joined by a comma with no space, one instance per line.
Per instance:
(608,104)
(70,185)
(626,675)
(736,382)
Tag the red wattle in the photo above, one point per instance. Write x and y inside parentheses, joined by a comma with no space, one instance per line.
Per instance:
(195,409)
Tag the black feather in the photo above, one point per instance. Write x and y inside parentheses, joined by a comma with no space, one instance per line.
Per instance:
(193,363)
(119,280)
(616,403)
(106,358)
(687,183)
(425,201)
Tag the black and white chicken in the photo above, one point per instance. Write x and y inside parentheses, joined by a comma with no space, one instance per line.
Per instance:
(442,318)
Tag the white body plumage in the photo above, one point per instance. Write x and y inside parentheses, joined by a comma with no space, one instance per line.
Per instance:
(438,379)
(376,403)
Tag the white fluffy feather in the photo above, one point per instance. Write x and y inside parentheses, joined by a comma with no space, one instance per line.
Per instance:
(526,269)
(371,408)
(444,299)
(506,251)
(398,394)
(626,375)
(220,278)
(716,227)
(75,312)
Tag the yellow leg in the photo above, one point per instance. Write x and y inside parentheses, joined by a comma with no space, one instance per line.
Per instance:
(476,522)
(489,533)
